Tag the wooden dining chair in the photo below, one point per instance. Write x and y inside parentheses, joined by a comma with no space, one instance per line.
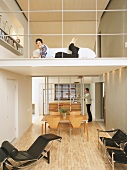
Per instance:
(54,113)
(75,113)
(76,123)
(53,122)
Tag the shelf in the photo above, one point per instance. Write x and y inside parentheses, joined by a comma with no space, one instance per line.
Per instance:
(53,106)
(10,43)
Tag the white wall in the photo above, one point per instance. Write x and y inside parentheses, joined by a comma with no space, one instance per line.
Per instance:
(112,45)
(116,99)
(17,20)
(24,83)
(116,81)
(24,104)
(5,53)
(7,23)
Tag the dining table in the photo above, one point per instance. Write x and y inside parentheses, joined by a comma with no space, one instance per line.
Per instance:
(65,120)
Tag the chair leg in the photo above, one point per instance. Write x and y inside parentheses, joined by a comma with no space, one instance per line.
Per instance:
(112,161)
(82,134)
(45,126)
(48,155)
(98,139)
(70,132)
(104,148)
(59,131)
(4,167)
(42,128)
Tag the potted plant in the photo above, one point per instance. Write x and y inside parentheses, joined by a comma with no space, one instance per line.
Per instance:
(64,111)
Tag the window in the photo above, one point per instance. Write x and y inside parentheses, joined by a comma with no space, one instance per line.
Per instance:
(65,91)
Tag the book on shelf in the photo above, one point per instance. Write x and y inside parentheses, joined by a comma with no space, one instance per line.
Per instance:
(10,41)
(2,35)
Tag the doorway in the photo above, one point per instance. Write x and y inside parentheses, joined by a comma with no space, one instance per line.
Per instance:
(11,109)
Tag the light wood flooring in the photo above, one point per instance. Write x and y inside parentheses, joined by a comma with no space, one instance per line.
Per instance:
(72,153)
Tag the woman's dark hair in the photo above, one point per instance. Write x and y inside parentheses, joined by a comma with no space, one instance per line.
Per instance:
(87,89)
(39,39)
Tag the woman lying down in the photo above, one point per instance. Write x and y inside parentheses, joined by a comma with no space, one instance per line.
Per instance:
(44,52)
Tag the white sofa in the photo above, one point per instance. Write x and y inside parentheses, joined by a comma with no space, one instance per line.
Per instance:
(83,52)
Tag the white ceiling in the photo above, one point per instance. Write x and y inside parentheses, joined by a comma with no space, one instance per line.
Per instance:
(68,11)
(52,10)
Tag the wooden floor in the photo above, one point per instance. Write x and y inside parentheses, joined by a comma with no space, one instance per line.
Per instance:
(72,153)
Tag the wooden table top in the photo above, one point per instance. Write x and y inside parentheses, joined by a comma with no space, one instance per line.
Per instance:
(67,118)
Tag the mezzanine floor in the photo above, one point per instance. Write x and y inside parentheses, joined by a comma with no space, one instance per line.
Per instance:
(62,67)
(72,153)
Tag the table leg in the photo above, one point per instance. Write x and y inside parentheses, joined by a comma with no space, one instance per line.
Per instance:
(45,127)
(42,128)
(86,129)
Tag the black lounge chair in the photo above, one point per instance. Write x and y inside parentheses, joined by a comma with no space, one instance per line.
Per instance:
(117,156)
(28,157)
(114,141)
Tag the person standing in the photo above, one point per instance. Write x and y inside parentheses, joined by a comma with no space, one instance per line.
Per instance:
(88,104)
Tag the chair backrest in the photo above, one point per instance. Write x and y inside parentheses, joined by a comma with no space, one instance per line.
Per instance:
(54,113)
(3,155)
(119,135)
(40,143)
(9,148)
(76,121)
(53,121)
(75,113)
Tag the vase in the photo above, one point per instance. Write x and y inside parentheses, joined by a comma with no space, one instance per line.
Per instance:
(17,40)
(64,115)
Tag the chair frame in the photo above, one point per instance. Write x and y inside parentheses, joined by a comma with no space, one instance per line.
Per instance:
(30,162)
(114,152)
(26,158)
(116,142)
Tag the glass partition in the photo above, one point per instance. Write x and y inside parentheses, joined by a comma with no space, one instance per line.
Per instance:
(57,22)
(67,92)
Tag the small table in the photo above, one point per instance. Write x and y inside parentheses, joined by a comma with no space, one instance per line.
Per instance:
(66,120)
